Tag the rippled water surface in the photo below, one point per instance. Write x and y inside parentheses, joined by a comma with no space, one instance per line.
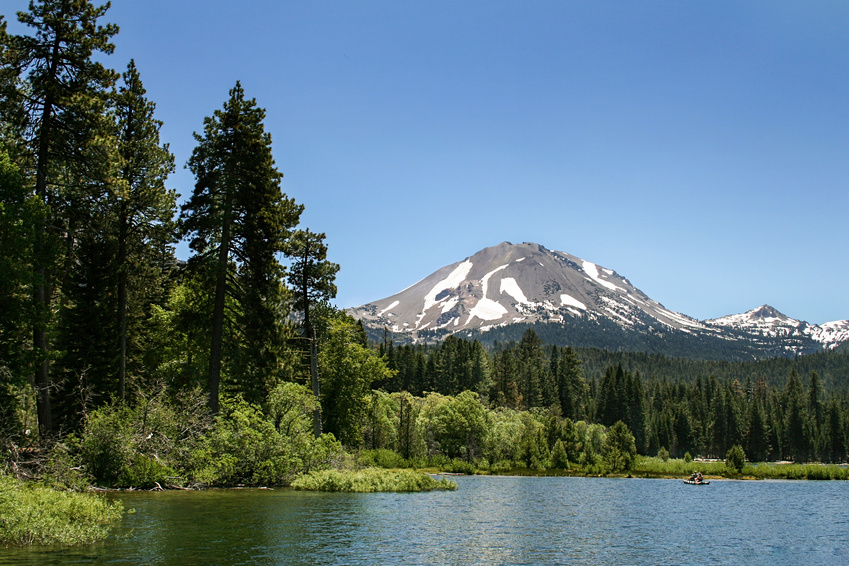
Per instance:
(489,520)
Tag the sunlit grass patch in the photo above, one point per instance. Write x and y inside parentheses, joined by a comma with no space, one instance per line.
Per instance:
(31,514)
(371,480)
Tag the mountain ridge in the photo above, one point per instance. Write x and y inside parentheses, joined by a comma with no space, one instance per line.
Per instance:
(527,284)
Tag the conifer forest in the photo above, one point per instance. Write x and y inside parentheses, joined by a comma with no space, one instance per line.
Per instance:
(121,365)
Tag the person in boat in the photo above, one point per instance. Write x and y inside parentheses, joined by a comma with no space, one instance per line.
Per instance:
(696,477)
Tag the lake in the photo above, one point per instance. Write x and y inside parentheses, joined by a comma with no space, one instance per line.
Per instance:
(489,520)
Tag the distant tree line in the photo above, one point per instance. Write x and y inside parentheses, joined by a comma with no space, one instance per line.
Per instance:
(693,412)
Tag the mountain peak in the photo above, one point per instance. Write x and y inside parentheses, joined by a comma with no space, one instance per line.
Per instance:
(527,284)
(512,283)
(762,315)
(766,312)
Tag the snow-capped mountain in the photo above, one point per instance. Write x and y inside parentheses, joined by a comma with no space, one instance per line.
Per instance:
(515,285)
(767,322)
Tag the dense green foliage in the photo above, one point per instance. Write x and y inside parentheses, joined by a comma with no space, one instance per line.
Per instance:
(784,418)
(97,311)
(31,514)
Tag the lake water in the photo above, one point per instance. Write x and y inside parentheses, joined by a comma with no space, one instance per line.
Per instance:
(489,520)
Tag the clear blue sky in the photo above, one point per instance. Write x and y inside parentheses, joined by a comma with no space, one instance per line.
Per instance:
(701,149)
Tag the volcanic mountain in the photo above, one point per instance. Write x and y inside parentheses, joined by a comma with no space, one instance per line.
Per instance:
(500,291)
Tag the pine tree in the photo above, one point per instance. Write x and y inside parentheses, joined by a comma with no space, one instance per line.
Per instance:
(142,209)
(570,386)
(531,370)
(795,432)
(59,106)
(312,278)
(238,219)
(19,213)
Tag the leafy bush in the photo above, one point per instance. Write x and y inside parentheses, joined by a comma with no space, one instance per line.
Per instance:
(145,472)
(663,454)
(147,443)
(559,459)
(370,480)
(382,458)
(457,466)
(619,448)
(106,446)
(31,514)
(501,466)
(249,446)
(735,459)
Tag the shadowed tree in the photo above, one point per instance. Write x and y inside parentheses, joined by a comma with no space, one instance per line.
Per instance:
(237,220)
(60,99)
(312,278)
(143,207)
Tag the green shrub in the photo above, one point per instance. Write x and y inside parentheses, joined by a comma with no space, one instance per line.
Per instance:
(370,480)
(735,459)
(249,446)
(144,472)
(688,458)
(501,466)
(458,466)
(31,514)
(382,458)
(559,459)
(106,446)
(619,449)
(663,454)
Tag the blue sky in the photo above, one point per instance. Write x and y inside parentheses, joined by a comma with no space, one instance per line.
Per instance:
(700,149)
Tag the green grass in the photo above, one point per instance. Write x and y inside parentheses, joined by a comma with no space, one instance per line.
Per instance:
(795,471)
(31,514)
(655,467)
(370,480)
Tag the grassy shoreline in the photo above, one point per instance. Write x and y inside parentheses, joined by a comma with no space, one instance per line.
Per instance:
(371,480)
(653,467)
(35,514)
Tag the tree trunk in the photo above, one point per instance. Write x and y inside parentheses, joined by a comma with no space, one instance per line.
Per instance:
(315,387)
(218,315)
(122,300)
(41,297)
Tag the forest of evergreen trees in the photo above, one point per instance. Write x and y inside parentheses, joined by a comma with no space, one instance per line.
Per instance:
(682,405)
(232,367)
(96,309)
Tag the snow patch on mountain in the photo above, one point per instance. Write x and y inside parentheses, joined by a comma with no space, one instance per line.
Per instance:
(453,280)
(389,308)
(511,287)
(569,301)
(591,270)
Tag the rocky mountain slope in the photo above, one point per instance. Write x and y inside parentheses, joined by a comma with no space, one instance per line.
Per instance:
(514,286)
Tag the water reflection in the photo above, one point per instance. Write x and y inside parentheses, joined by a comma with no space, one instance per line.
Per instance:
(488,521)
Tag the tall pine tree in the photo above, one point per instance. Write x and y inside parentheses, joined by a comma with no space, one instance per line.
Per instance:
(58,99)
(142,212)
(238,219)
(312,278)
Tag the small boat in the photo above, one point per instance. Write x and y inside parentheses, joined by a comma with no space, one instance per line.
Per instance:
(696,482)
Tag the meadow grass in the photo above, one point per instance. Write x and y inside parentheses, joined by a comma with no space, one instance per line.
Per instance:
(655,467)
(371,480)
(33,514)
